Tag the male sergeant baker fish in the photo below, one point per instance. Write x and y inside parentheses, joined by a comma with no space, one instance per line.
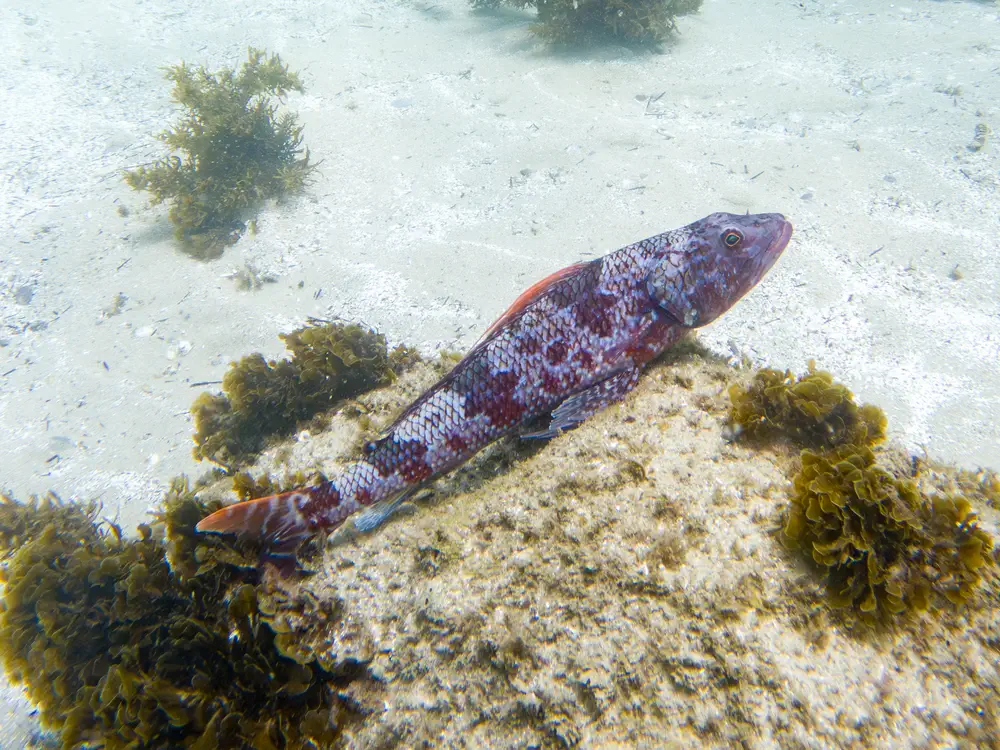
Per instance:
(567,347)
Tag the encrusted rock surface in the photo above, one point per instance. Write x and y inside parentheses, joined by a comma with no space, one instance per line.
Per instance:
(621,585)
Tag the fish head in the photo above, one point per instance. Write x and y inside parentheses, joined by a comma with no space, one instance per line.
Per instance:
(710,264)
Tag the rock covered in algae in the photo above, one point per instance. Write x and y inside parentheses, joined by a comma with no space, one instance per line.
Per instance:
(154,642)
(885,547)
(622,584)
(261,398)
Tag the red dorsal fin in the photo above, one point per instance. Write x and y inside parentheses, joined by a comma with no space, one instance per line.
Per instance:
(528,296)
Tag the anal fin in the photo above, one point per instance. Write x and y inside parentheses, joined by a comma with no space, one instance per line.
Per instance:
(376,514)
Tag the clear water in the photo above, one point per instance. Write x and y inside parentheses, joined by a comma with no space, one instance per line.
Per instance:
(461,160)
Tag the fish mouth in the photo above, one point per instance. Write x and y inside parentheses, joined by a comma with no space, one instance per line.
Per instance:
(779,243)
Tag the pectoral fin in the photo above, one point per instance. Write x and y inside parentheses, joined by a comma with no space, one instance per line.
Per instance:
(588,402)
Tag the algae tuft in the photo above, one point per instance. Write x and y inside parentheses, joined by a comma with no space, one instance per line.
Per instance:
(229,152)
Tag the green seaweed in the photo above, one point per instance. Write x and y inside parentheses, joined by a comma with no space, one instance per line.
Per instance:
(886,549)
(812,410)
(586,21)
(236,150)
(156,642)
(262,398)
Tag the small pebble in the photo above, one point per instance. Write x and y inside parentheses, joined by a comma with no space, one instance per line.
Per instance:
(178,350)
(24,294)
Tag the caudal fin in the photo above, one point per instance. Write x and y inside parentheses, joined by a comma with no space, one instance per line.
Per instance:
(276,521)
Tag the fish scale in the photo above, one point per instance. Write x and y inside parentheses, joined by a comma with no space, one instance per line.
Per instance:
(566,348)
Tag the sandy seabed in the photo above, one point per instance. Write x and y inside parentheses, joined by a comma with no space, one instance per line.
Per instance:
(461,161)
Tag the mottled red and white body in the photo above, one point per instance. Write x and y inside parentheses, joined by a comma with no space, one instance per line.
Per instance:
(569,346)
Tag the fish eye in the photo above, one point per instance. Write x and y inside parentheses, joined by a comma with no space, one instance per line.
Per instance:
(731,238)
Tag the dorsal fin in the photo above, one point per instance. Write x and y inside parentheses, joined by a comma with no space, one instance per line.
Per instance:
(528,296)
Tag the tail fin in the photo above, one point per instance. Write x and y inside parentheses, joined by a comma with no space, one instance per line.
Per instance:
(276,521)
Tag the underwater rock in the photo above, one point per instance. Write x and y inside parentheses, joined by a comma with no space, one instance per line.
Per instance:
(622,583)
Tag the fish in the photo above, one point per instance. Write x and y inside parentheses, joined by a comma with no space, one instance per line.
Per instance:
(567,347)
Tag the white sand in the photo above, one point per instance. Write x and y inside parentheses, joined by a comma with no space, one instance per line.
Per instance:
(461,162)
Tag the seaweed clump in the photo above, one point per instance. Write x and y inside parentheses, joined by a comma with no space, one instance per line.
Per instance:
(575,21)
(236,150)
(154,642)
(885,547)
(328,363)
(812,410)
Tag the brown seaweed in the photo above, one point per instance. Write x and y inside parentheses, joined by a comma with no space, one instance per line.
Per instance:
(155,642)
